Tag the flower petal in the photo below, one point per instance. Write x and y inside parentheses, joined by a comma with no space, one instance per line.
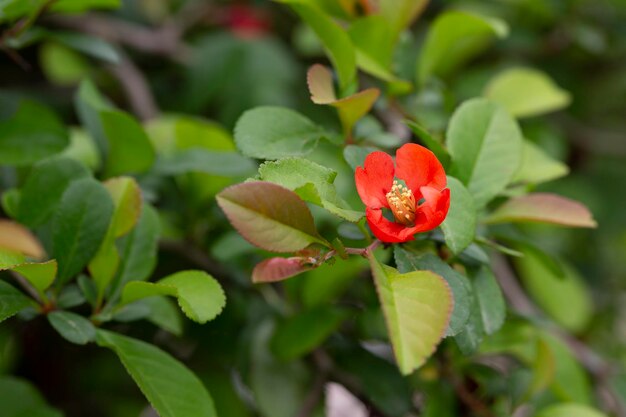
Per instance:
(374,181)
(419,167)
(433,211)
(385,230)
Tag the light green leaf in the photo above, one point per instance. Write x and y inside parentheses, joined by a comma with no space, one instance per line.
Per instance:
(312,182)
(453,39)
(335,39)
(127,200)
(62,65)
(199,295)
(290,341)
(537,166)
(39,275)
(23,142)
(490,300)
(417,307)
(401,13)
(129,149)
(172,389)
(19,398)
(275,132)
(374,41)
(12,301)
(77,6)
(72,327)
(566,299)
(543,208)
(80,225)
(526,92)
(355,155)
(270,216)
(44,188)
(229,164)
(569,410)
(459,227)
(459,284)
(486,145)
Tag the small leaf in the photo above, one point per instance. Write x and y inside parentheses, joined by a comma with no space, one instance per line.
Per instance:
(417,307)
(569,410)
(459,227)
(401,13)
(72,327)
(374,41)
(16,238)
(23,142)
(39,275)
(490,300)
(172,389)
(485,144)
(230,164)
(12,301)
(312,182)
(290,342)
(270,216)
(526,92)
(454,38)
(355,155)
(199,295)
(543,208)
(44,188)
(129,149)
(431,143)
(459,284)
(335,39)
(566,299)
(537,166)
(276,132)
(126,196)
(277,269)
(80,225)
(350,108)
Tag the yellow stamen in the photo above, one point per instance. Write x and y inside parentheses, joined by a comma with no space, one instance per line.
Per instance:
(402,204)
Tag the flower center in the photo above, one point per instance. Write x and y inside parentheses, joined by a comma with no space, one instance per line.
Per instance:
(402,204)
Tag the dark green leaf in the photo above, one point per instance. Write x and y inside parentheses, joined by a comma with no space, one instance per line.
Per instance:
(459,227)
(21,399)
(72,327)
(12,301)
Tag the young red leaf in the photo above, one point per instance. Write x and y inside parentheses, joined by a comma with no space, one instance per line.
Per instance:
(543,208)
(270,216)
(17,238)
(277,269)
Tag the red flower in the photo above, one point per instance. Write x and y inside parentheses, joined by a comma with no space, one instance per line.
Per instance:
(418,205)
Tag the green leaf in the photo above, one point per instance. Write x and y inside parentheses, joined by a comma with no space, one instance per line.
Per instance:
(401,13)
(77,6)
(19,398)
(350,108)
(61,65)
(459,284)
(199,295)
(566,299)
(87,44)
(355,155)
(44,188)
(490,300)
(72,327)
(486,145)
(417,307)
(459,227)
(270,216)
(164,313)
(23,142)
(129,149)
(138,251)
(374,41)
(468,340)
(230,164)
(537,166)
(12,301)
(453,39)
(335,39)
(526,92)
(569,410)
(279,388)
(80,225)
(172,389)
(276,132)
(290,341)
(126,196)
(543,208)
(312,182)
(39,275)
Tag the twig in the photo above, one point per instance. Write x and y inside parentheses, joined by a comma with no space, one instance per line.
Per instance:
(136,87)
(26,286)
(314,396)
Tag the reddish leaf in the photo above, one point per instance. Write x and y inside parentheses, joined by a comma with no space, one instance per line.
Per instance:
(543,208)
(270,216)
(17,238)
(278,269)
